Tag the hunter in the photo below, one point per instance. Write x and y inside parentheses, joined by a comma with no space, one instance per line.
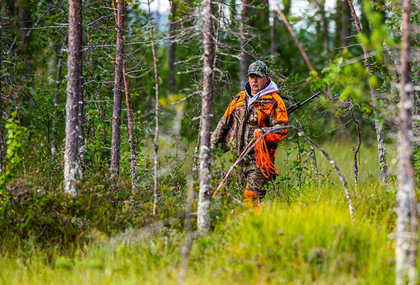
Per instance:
(253,112)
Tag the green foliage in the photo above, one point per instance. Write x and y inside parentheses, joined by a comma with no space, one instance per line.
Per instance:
(16,139)
(53,218)
(34,211)
(380,31)
(350,80)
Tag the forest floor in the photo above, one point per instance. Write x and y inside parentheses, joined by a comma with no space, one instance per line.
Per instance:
(307,238)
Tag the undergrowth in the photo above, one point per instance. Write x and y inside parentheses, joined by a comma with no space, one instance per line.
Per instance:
(302,235)
(311,240)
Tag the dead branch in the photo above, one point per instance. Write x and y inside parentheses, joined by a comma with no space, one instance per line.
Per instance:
(355,152)
(289,28)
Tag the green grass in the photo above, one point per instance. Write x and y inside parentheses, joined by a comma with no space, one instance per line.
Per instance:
(303,236)
(310,241)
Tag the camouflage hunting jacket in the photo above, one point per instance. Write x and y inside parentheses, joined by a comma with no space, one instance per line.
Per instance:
(266,110)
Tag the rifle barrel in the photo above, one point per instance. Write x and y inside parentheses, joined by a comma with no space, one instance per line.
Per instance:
(310,98)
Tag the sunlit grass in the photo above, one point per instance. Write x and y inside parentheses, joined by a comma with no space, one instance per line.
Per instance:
(313,240)
(304,235)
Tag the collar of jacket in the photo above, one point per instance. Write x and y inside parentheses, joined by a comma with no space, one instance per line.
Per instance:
(271,87)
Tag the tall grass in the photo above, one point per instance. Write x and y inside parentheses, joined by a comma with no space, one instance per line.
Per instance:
(310,241)
(302,235)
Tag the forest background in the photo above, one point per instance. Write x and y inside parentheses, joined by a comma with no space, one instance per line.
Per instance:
(139,84)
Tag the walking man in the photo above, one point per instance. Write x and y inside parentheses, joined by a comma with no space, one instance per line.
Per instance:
(255,111)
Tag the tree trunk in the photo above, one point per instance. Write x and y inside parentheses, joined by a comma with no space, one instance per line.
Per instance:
(130,114)
(273,38)
(58,80)
(242,62)
(81,122)
(74,88)
(131,139)
(379,136)
(325,28)
(203,207)
(172,27)
(405,256)
(25,21)
(337,20)
(364,20)
(1,108)
(345,16)
(116,116)
(155,145)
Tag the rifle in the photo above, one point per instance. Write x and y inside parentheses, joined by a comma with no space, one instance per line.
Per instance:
(296,106)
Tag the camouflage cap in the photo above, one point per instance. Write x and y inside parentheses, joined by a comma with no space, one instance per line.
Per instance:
(259,68)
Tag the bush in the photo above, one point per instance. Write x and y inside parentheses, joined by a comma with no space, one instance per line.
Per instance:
(50,218)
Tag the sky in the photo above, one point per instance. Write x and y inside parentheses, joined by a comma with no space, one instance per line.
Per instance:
(299,8)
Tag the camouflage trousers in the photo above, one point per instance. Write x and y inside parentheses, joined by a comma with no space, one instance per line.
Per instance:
(253,179)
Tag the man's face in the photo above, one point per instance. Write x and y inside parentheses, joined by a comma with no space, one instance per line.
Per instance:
(257,83)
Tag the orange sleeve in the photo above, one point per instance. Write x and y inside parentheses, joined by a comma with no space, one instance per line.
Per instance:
(280,111)
(279,114)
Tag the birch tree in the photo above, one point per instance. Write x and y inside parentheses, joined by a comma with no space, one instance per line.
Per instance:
(171,55)
(406,233)
(203,207)
(156,141)
(379,135)
(116,115)
(74,89)
(81,125)
(58,80)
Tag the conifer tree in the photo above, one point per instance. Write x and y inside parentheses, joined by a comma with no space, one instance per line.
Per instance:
(74,89)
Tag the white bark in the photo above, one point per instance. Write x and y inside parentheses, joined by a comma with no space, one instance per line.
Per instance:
(406,233)
(203,207)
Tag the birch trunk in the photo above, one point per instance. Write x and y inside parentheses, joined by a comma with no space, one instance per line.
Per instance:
(242,62)
(74,88)
(116,116)
(216,45)
(405,255)
(379,136)
(81,122)
(155,145)
(203,207)
(171,56)
(54,145)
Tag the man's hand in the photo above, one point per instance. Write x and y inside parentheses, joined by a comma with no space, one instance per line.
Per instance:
(258,132)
